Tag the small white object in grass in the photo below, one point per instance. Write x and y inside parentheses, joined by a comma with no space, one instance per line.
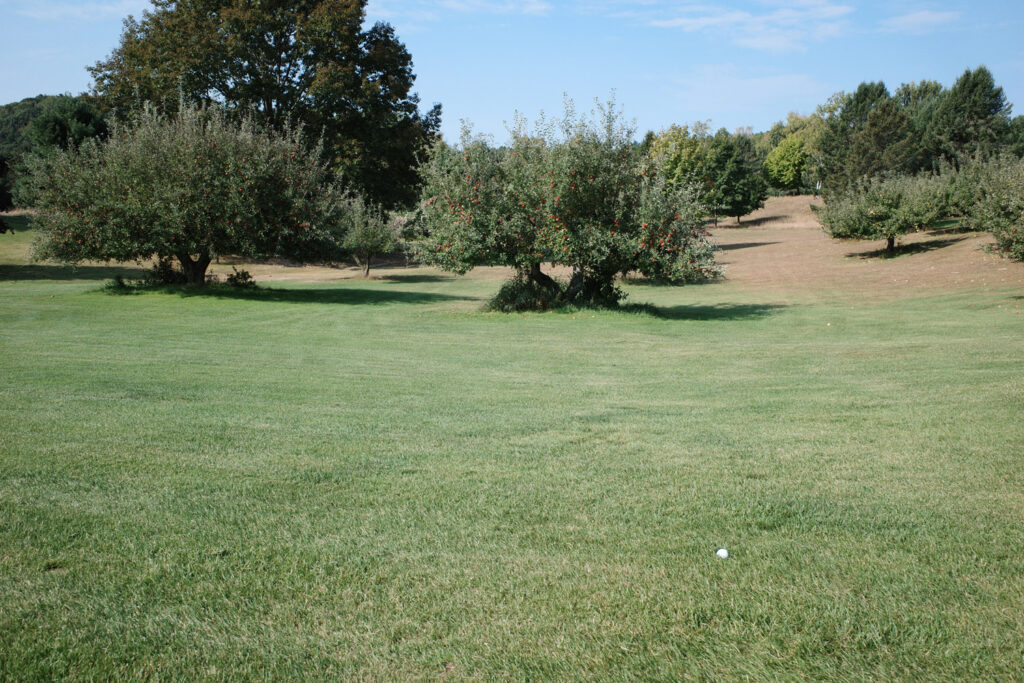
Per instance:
(723,553)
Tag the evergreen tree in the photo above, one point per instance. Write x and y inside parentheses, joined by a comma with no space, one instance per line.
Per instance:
(973,118)
(65,121)
(736,187)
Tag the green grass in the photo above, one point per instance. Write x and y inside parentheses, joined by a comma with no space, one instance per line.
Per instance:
(375,480)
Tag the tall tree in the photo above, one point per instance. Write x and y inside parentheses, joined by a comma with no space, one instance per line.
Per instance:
(736,186)
(848,117)
(972,118)
(785,165)
(304,61)
(681,153)
(882,143)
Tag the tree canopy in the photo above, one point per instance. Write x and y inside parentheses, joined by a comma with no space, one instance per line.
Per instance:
(187,187)
(65,121)
(574,193)
(784,167)
(305,61)
(724,169)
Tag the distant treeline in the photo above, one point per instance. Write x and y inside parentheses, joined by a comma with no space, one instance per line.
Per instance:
(37,123)
(872,132)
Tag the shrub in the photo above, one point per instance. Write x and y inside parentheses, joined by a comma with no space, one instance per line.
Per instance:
(521,293)
(999,206)
(366,231)
(240,278)
(885,208)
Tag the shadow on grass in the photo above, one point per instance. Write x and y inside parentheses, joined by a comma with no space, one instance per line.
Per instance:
(705,312)
(415,279)
(14,223)
(950,226)
(743,245)
(46,272)
(340,295)
(641,281)
(907,249)
(750,222)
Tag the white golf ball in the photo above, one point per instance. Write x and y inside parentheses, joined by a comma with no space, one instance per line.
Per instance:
(723,553)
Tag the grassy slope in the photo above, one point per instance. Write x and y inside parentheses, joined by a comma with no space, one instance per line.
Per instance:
(374,480)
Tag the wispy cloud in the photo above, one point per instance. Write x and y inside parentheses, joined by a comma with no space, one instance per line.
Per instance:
(759,24)
(41,10)
(778,27)
(497,7)
(924,21)
(436,9)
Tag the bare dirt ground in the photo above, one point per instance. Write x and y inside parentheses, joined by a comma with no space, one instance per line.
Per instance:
(783,248)
(779,249)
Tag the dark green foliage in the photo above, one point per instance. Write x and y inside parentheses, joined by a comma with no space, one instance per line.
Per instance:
(972,118)
(1015,137)
(14,120)
(522,293)
(883,143)
(723,169)
(736,186)
(240,278)
(14,142)
(37,123)
(164,272)
(919,128)
(6,189)
(186,188)
(839,167)
(65,121)
(308,61)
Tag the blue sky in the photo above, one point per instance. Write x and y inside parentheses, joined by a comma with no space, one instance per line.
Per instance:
(735,63)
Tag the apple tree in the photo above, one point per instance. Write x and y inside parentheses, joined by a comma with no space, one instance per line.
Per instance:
(186,188)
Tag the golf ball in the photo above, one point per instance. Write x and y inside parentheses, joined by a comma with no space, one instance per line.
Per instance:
(722,553)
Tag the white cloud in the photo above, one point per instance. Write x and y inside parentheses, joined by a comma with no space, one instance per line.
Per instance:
(763,24)
(42,10)
(497,6)
(920,22)
(778,27)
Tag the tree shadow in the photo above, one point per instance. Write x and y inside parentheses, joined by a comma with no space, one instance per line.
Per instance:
(641,281)
(749,222)
(705,312)
(415,279)
(341,295)
(14,223)
(47,272)
(743,245)
(906,249)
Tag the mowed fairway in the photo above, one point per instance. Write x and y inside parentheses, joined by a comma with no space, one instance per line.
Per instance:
(347,479)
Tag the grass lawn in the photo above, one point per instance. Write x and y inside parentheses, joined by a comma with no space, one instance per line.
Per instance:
(375,480)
